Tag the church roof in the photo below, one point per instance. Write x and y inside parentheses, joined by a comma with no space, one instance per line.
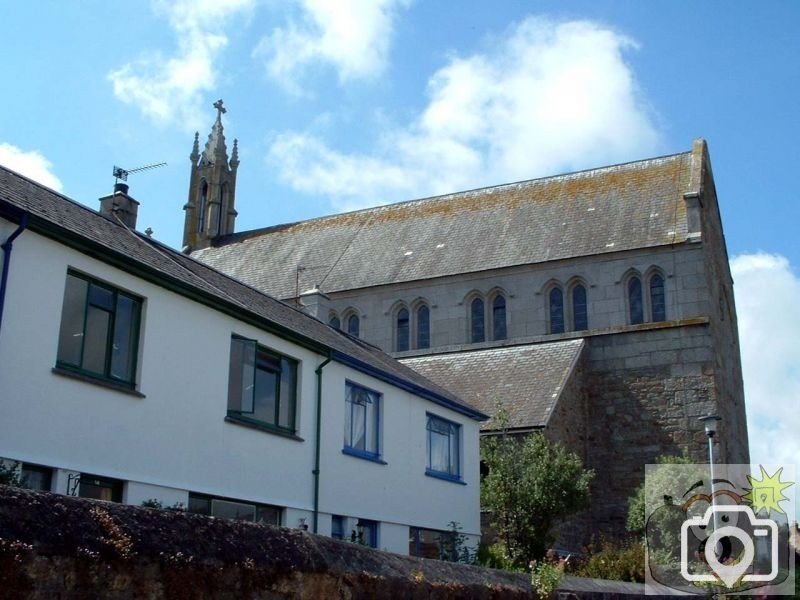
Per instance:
(610,209)
(58,217)
(525,380)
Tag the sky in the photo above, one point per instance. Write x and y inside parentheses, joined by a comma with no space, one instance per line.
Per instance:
(355,103)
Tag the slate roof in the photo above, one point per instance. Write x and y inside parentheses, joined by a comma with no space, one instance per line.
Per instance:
(526,380)
(621,207)
(56,216)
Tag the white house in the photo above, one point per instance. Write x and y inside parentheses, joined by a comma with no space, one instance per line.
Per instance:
(130,371)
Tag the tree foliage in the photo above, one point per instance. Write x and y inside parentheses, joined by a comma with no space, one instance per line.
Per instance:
(531,483)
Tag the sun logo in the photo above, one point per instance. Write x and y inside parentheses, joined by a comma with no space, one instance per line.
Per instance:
(766,494)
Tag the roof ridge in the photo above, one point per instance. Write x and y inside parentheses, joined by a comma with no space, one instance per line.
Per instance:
(262,230)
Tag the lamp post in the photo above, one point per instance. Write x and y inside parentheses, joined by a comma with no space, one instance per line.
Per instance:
(710,422)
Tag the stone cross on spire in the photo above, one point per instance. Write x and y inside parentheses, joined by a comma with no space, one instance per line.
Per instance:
(222,110)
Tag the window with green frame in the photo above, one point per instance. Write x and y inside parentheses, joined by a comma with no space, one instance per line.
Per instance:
(262,388)
(99,334)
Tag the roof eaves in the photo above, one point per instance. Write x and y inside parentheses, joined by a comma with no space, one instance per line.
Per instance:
(409,386)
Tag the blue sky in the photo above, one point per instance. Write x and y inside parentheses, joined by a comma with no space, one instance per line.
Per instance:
(339,105)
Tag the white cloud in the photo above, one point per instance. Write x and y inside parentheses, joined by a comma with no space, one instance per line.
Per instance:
(766,291)
(31,164)
(548,97)
(168,88)
(352,35)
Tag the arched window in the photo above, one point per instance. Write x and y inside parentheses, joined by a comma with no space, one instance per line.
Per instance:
(477,329)
(423,327)
(658,307)
(580,317)
(201,207)
(353,325)
(556,303)
(334,322)
(401,334)
(635,307)
(499,317)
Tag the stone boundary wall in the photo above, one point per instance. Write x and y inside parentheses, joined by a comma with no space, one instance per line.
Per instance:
(54,546)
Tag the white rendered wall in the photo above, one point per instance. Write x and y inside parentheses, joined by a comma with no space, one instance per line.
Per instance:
(175,440)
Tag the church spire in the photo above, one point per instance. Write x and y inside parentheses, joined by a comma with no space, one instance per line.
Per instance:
(210,212)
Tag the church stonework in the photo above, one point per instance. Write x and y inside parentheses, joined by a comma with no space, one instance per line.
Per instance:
(594,306)
(210,210)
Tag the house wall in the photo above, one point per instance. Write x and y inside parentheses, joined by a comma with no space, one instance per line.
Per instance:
(173,438)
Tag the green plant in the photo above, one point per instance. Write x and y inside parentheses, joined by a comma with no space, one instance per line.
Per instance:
(495,556)
(455,547)
(531,483)
(152,503)
(545,577)
(615,560)
(10,473)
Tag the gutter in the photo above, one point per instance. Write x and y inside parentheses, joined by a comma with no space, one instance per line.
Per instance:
(317,441)
(7,246)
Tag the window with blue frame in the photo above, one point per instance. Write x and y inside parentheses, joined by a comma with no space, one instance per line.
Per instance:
(262,386)
(338,526)
(658,307)
(556,309)
(362,421)
(580,317)
(635,305)
(444,448)
(365,533)
(99,335)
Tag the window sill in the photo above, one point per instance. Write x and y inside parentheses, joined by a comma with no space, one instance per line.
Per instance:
(261,426)
(445,477)
(364,455)
(111,385)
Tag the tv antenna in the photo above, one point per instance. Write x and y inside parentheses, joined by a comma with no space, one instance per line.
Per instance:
(120,173)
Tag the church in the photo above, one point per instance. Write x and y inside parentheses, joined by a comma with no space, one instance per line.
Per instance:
(595,306)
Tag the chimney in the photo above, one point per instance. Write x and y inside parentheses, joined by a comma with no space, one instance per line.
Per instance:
(120,205)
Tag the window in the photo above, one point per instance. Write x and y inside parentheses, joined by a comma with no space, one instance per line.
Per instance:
(262,386)
(100,488)
(99,334)
(556,305)
(423,327)
(334,322)
(338,526)
(430,543)
(443,448)
(635,307)
(499,317)
(362,422)
(238,510)
(365,533)
(353,324)
(402,330)
(580,319)
(477,330)
(658,309)
(35,477)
